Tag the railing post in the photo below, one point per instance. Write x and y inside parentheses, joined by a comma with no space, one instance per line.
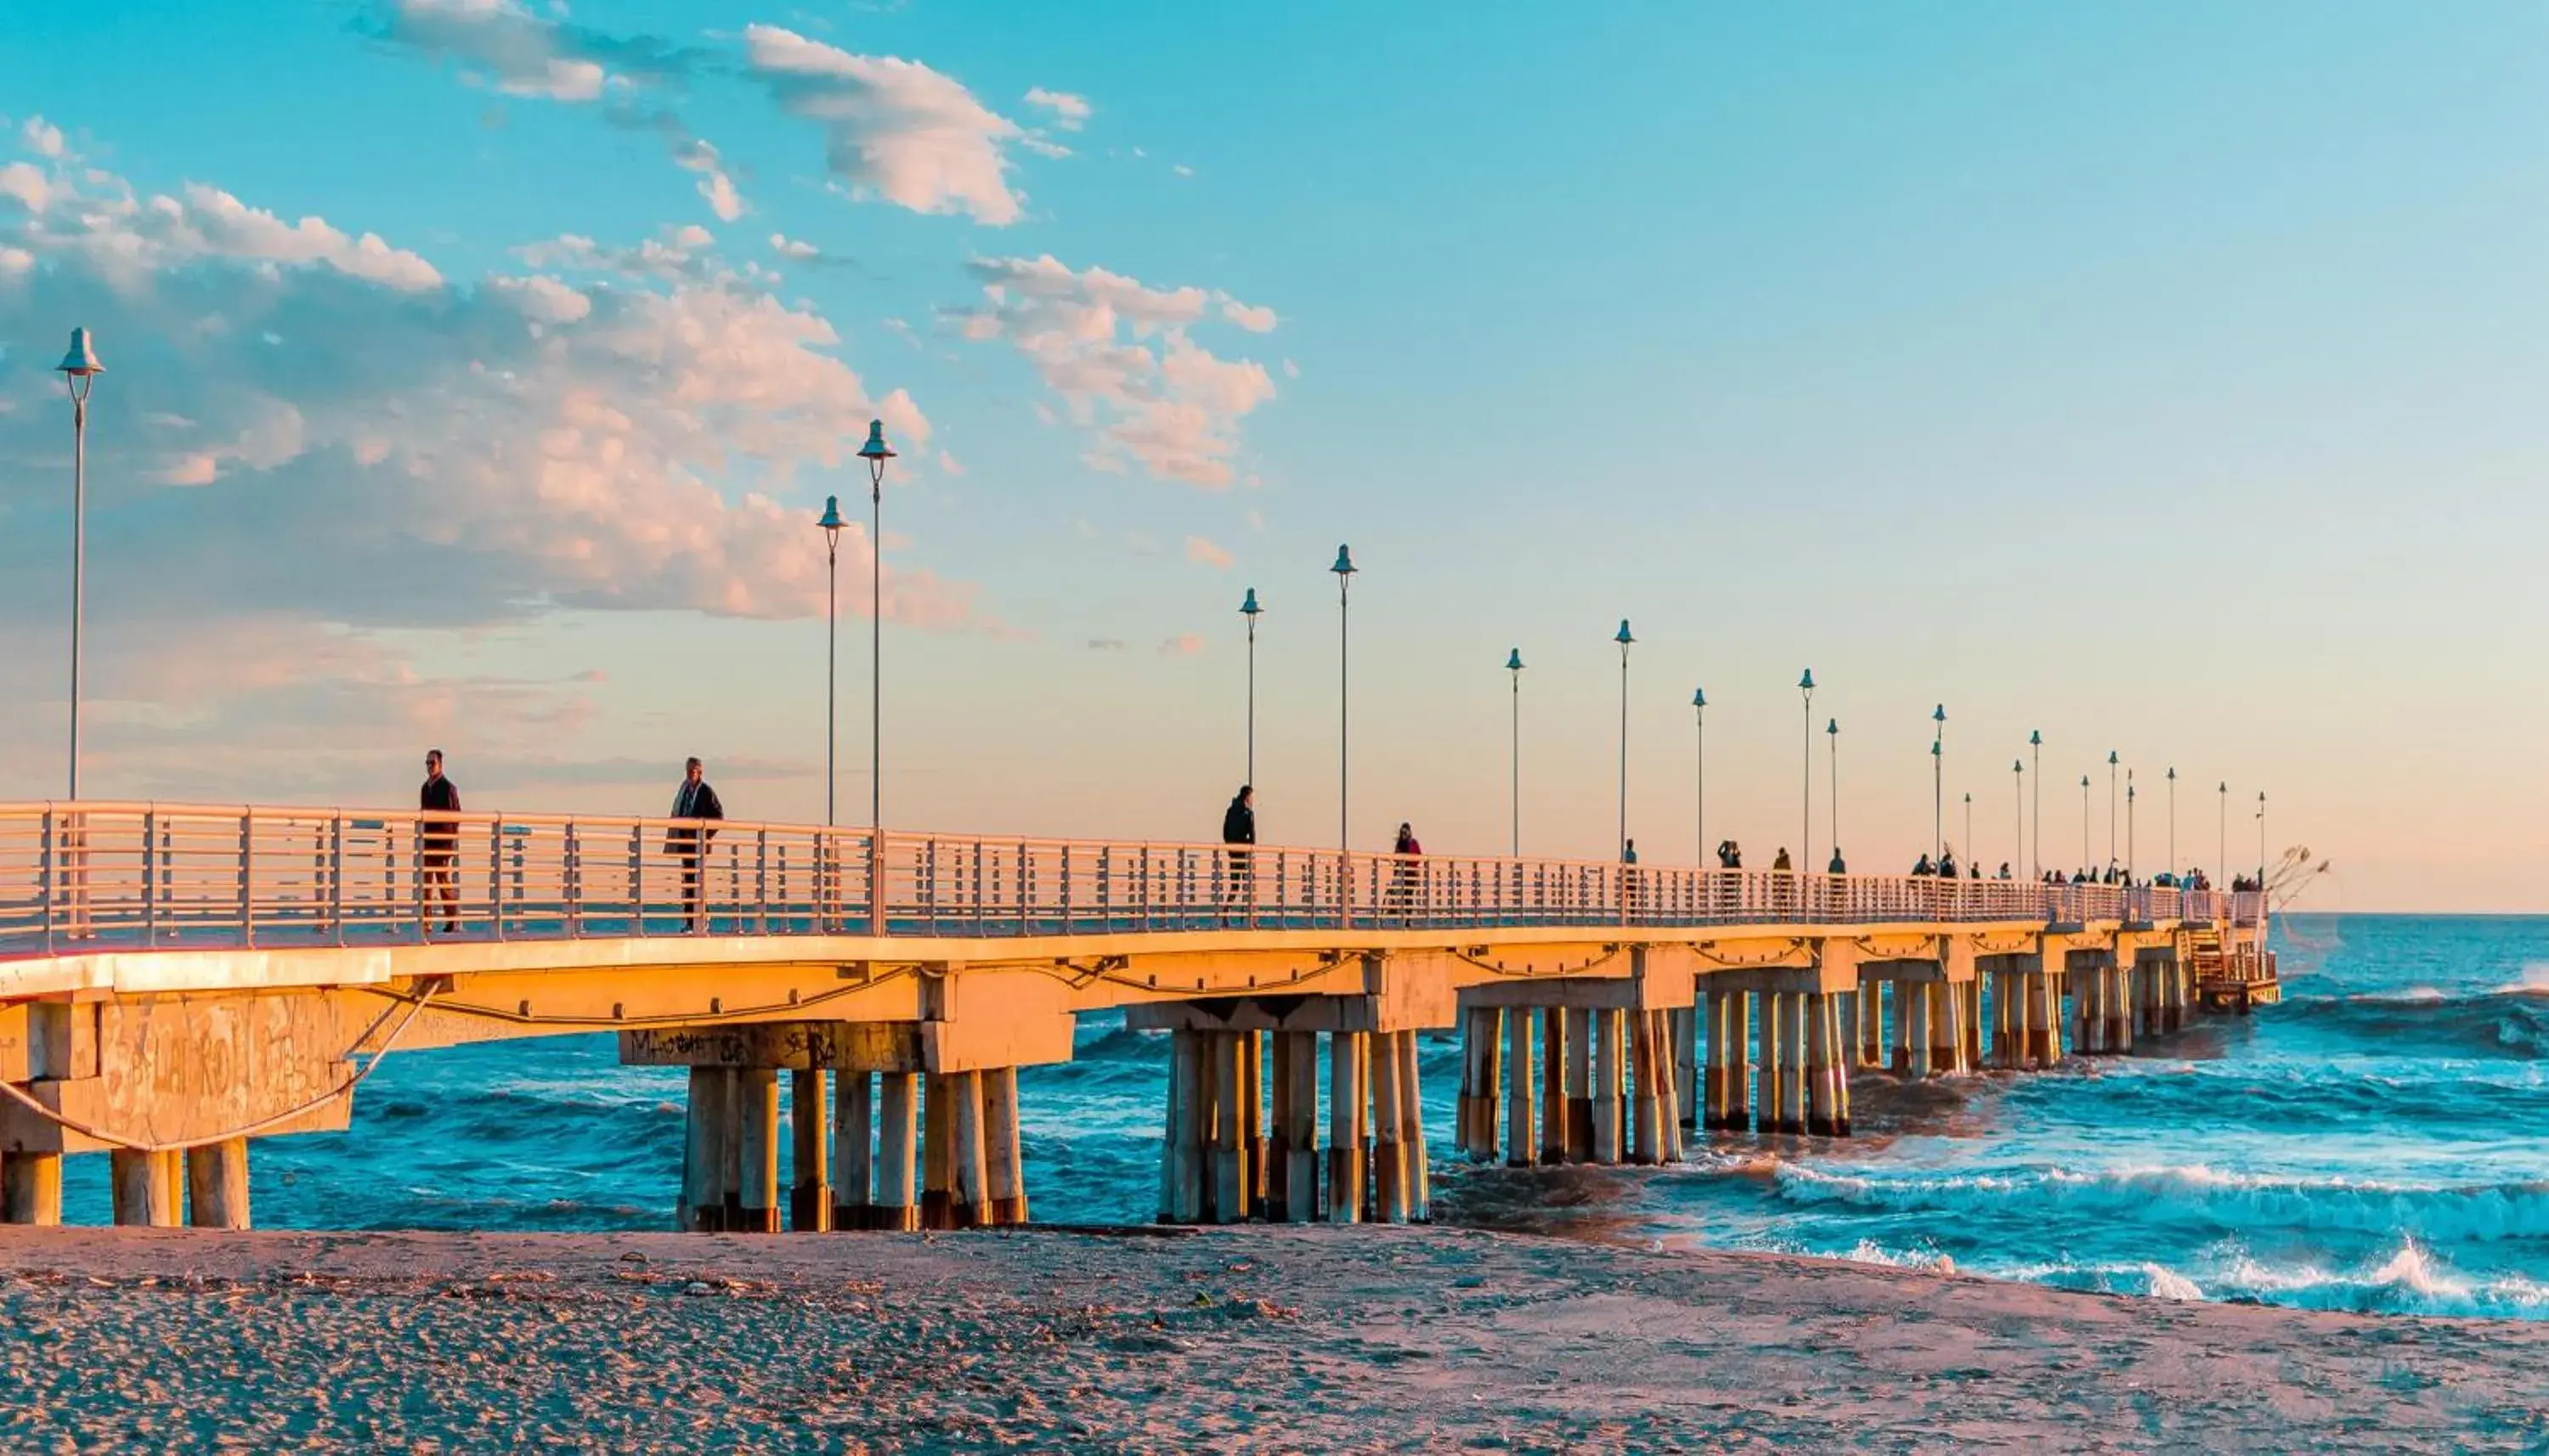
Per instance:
(496,875)
(877,883)
(761,880)
(571,882)
(337,876)
(638,878)
(248,875)
(46,855)
(150,877)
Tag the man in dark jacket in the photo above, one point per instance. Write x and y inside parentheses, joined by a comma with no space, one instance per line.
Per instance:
(1239,826)
(693,802)
(438,841)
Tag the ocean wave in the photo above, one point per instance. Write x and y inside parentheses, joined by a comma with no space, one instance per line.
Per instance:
(2409,1280)
(2506,1022)
(2234,1202)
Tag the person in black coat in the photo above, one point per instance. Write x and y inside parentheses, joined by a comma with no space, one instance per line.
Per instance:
(693,802)
(438,841)
(1239,826)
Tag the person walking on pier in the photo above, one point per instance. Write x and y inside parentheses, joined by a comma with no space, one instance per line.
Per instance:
(1239,826)
(1403,876)
(693,802)
(1780,863)
(439,840)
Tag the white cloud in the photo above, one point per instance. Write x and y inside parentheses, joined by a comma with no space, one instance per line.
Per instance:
(1184,644)
(789,247)
(1118,353)
(1204,552)
(1070,112)
(893,128)
(43,137)
(1254,319)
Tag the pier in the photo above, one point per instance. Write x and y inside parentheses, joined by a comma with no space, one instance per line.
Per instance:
(179,980)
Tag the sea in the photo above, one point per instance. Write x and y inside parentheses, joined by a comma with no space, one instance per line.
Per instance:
(2374,1143)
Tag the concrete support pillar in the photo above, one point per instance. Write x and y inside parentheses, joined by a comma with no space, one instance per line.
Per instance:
(2084,1012)
(1739,1061)
(757,1091)
(1388,1155)
(853,1150)
(1648,1056)
(1553,1084)
(898,1172)
(1793,1064)
(1819,1040)
(968,1203)
(1684,1023)
(1711,1056)
(1522,1119)
(702,1203)
(1840,1082)
(937,1152)
(1252,1107)
(217,1185)
(2049,990)
(1912,1006)
(1609,1085)
(1008,1183)
(1579,1085)
(1296,1125)
(1767,1013)
(1345,1099)
(1226,1131)
(31,1188)
(1871,1024)
(1411,1132)
(1181,1149)
(146,1188)
(1481,1045)
(809,1153)
(1946,1021)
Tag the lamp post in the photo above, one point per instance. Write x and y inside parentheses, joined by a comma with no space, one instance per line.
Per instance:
(1345,569)
(2111,762)
(2172,823)
(1624,638)
(831,524)
(1973,855)
(1513,664)
(1251,610)
(79,370)
(2084,824)
(876,453)
(2128,826)
(2261,845)
(2221,854)
(1699,751)
(2018,809)
(1832,736)
(2035,742)
(1938,785)
(1806,814)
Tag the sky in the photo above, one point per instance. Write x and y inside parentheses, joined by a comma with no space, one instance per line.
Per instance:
(2162,378)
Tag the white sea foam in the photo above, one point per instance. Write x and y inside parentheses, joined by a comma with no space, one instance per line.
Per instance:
(2447,1214)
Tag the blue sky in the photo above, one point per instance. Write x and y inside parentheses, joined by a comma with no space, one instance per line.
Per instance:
(2161,377)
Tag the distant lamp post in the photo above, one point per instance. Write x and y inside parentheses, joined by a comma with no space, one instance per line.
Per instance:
(1513,666)
(2172,823)
(876,452)
(2111,762)
(1832,737)
(2035,744)
(2128,826)
(2084,825)
(1699,751)
(2018,809)
(1974,853)
(2261,845)
(1251,610)
(2222,854)
(1938,786)
(1806,815)
(1624,638)
(79,370)
(1345,569)
(830,526)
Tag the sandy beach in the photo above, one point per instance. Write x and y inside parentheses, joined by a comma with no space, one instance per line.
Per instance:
(1255,1339)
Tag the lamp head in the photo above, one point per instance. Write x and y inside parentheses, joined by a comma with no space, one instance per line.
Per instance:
(1807,682)
(81,361)
(2172,773)
(1832,728)
(1249,607)
(2036,739)
(876,452)
(1513,661)
(1344,566)
(2018,766)
(1699,697)
(831,522)
(1622,636)
(2110,758)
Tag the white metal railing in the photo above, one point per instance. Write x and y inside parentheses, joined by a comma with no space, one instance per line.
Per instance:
(94,875)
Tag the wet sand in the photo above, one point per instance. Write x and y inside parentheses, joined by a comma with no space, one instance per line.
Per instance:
(1257,1340)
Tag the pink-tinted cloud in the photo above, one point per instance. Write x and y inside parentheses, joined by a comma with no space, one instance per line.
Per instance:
(892,128)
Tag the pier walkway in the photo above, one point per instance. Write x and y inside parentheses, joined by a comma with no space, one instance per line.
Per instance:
(178,979)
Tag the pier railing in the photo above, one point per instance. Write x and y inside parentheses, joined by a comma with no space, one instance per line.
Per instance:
(95,876)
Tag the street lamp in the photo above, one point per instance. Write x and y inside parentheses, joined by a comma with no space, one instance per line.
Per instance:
(1937,785)
(1251,610)
(2110,806)
(876,452)
(2261,850)
(1806,815)
(1513,664)
(2084,825)
(1624,639)
(1345,569)
(79,370)
(2018,807)
(2035,742)
(2128,826)
(1832,736)
(830,526)
(1973,854)
(2172,823)
(2221,856)
(1699,809)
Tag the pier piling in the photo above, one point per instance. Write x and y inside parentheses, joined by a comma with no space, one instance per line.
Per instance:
(853,1150)
(810,1171)
(217,1184)
(1008,1175)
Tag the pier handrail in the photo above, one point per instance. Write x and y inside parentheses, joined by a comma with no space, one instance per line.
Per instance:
(94,875)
